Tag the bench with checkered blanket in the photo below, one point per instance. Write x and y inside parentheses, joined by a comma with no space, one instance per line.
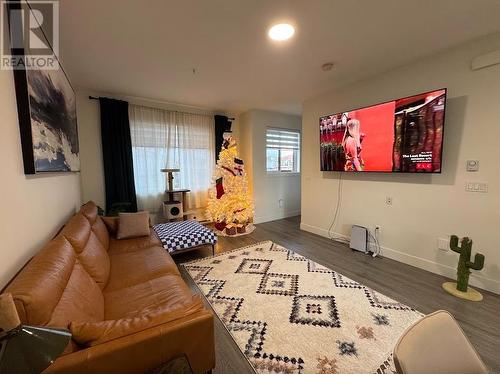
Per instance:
(183,235)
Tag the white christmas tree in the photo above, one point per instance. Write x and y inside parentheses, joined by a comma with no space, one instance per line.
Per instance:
(230,206)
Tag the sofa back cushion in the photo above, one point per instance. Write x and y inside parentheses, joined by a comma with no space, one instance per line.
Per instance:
(89,249)
(81,300)
(89,210)
(53,288)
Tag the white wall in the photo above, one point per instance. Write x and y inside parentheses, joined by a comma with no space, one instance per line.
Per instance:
(268,189)
(89,128)
(33,207)
(425,207)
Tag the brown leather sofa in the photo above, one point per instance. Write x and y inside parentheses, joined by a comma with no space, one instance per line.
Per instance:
(124,301)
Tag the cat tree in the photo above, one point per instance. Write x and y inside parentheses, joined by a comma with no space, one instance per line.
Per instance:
(176,206)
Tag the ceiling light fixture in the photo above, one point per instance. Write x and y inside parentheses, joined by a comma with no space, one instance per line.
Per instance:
(280,32)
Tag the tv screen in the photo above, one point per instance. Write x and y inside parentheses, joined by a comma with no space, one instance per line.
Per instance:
(399,136)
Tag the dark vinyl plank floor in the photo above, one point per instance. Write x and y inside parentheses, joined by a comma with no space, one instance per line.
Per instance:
(415,287)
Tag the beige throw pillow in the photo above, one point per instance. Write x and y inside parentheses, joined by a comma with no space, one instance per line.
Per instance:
(133,225)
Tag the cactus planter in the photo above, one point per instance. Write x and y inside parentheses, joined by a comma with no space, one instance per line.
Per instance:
(461,287)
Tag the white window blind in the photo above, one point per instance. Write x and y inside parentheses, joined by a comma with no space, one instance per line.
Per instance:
(277,138)
(282,151)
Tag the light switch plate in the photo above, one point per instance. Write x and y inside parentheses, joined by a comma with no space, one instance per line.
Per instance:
(476,187)
(443,244)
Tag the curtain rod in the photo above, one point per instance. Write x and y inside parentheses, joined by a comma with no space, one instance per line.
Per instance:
(177,111)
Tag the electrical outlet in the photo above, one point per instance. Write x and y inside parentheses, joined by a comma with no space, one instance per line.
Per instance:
(372,247)
(388,200)
(443,244)
(281,203)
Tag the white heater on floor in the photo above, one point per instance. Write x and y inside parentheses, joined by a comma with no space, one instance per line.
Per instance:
(359,238)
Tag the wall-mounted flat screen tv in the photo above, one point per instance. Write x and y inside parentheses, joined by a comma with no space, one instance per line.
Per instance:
(399,136)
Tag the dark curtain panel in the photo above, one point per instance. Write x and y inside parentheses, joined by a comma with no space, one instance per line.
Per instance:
(222,125)
(117,156)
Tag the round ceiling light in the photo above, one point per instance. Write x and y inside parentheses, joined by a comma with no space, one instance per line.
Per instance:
(280,32)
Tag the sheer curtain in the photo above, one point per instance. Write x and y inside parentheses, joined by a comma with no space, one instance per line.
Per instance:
(166,139)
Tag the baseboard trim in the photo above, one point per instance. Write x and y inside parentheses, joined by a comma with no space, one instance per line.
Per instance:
(276,216)
(479,281)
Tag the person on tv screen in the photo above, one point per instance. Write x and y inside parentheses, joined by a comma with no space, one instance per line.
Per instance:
(352,146)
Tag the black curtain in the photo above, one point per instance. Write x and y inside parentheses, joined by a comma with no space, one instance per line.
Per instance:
(222,125)
(117,156)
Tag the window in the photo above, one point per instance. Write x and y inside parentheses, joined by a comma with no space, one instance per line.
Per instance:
(282,151)
(167,139)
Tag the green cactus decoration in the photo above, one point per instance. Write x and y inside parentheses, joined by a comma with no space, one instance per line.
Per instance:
(464,263)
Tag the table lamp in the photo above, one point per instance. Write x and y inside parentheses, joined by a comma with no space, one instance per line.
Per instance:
(27,349)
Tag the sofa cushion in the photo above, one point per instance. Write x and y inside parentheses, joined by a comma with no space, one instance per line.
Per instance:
(135,244)
(94,333)
(89,210)
(133,225)
(81,301)
(111,224)
(129,269)
(39,286)
(100,230)
(90,251)
(77,231)
(96,260)
(165,291)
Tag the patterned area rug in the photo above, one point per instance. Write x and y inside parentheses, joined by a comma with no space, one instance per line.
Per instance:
(289,314)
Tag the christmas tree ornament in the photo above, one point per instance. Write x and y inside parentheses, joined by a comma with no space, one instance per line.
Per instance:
(228,142)
(238,167)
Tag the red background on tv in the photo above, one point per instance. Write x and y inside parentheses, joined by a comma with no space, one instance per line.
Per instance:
(377,123)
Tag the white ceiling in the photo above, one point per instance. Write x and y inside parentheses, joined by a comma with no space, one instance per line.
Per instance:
(148,48)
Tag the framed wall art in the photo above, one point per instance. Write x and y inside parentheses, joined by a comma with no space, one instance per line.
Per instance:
(46,100)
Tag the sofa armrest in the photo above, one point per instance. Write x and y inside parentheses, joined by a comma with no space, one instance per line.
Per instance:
(192,336)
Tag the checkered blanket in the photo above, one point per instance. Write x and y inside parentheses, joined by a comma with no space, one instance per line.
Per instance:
(177,236)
